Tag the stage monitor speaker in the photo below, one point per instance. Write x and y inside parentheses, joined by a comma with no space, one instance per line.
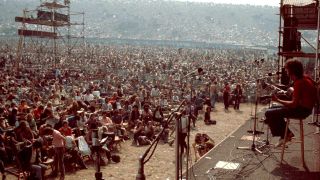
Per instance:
(289,34)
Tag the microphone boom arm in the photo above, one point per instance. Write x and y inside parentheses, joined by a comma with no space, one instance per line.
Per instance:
(141,175)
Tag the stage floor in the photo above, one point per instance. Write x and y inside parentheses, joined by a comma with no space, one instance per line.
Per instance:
(226,161)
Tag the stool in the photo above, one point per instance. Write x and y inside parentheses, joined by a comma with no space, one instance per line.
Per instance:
(301,140)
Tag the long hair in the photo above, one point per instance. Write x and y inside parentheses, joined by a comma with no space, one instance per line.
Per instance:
(295,67)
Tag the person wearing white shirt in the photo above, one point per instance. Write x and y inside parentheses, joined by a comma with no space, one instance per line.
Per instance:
(78,96)
(106,106)
(155,92)
(88,97)
(73,150)
(81,122)
(96,94)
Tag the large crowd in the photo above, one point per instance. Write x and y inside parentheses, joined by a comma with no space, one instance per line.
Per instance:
(51,113)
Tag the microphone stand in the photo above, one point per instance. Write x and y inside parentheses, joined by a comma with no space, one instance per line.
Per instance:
(266,142)
(316,113)
(254,131)
(98,174)
(190,116)
(140,175)
(96,149)
(178,149)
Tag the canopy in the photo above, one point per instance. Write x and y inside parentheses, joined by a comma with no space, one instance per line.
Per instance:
(298,2)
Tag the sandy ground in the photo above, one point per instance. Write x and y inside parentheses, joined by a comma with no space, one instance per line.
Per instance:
(162,164)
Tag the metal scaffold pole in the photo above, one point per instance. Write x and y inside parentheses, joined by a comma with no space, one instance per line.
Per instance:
(316,69)
(50,22)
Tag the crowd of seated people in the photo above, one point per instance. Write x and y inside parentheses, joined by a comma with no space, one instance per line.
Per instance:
(129,99)
(24,124)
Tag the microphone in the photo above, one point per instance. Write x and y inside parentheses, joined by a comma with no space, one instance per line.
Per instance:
(274,74)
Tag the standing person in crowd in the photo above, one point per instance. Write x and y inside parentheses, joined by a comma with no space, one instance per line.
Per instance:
(300,106)
(237,93)
(184,131)
(59,148)
(226,95)
(207,117)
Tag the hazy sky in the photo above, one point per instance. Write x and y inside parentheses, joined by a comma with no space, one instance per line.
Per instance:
(252,2)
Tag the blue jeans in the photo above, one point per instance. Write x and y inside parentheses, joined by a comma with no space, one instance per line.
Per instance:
(237,102)
(58,161)
(275,118)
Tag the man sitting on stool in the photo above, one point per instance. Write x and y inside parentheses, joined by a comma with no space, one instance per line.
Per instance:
(300,106)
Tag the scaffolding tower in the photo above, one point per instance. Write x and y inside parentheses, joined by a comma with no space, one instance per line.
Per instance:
(49,33)
(297,16)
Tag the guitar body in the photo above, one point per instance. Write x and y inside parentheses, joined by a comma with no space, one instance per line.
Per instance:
(280,93)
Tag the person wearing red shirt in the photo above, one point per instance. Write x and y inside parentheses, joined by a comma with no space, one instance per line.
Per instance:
(65,129)
(59,143)
(300,106)
(37,112)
